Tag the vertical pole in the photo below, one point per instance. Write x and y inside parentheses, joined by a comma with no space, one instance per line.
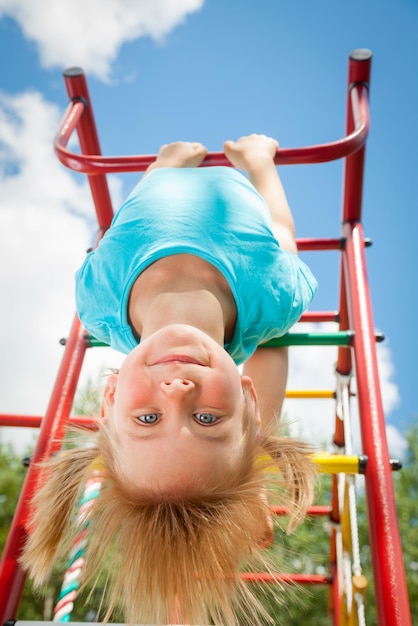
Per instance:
(356,313)
(12,576)
(77,89)
(386,549)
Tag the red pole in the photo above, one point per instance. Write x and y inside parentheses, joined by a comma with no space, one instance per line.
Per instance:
(386,549)
(12,576)
(78,92)
(356,314)
(359,70)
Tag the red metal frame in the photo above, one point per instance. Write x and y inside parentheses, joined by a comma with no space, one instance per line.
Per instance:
(354,313)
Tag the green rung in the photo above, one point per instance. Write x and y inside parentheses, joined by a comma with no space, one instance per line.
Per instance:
(341,338)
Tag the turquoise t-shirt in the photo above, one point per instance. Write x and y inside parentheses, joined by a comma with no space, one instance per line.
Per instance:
(216,214)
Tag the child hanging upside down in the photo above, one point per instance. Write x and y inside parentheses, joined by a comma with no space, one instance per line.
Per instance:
(197,271)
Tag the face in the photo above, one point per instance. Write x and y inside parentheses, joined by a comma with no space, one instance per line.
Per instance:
(176,410)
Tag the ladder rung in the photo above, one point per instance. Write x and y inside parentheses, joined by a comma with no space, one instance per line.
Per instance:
(300,579)
(342,338)
(33,623)
(326,463)
(313,511)
(310,393)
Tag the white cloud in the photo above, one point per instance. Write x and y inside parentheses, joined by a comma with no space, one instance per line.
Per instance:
(90,34)
(45,213)
(389,389)
(397,443)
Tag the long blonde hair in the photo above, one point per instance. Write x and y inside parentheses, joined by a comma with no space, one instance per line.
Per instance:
(173,560)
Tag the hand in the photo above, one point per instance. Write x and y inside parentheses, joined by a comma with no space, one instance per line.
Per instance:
(180,154)
(251,151)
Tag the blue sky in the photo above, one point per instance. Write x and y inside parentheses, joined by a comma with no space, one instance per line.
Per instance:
(163,70)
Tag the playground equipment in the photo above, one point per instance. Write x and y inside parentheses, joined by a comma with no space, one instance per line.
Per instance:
(356,347)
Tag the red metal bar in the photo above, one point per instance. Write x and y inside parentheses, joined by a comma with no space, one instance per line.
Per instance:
(12,576)
(301,579)
(320,316)
(335,599)
(92,163)
(305,244)
(386,549)
(80,115)
(359,70)
(35,421)
(314,511)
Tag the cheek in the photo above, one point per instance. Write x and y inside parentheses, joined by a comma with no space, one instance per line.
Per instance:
(229,387)
(134,392)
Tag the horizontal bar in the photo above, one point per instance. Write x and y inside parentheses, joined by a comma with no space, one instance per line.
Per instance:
(305,244)
(20,622)
(342,338)
(97,164)
(313,511)
(326,463)
(320,316)
(34,421)
(301,579)
(310,393)
(340,463)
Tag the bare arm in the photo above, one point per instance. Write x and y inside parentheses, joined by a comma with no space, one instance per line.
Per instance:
(267,367)
(255,154)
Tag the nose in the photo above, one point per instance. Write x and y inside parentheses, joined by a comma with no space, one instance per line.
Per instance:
(177,386)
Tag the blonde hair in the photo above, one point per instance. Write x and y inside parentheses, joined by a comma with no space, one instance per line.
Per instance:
(168,560)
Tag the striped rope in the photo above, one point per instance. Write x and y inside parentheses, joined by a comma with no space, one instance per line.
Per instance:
(71,581)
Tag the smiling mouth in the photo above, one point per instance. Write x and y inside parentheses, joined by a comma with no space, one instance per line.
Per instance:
(177,358)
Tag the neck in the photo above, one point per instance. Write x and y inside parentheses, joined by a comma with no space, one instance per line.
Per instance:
(198,308)
(182,289)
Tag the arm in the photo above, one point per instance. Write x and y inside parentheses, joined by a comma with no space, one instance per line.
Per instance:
(267,367)
(255,154)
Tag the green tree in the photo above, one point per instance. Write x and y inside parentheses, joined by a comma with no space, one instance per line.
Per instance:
(406,487)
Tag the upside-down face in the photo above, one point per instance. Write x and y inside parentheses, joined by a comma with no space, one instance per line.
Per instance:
(176,409)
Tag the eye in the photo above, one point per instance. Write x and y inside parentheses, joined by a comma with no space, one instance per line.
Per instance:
(149,418)
(206,419)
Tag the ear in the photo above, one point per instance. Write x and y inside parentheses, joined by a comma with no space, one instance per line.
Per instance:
(248,384)
(108,399)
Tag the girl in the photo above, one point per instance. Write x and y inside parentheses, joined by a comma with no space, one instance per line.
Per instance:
(189,281)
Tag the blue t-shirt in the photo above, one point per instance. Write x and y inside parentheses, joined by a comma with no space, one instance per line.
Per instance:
(216,214)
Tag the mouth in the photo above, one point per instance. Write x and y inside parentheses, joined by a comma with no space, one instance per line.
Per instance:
(177,358)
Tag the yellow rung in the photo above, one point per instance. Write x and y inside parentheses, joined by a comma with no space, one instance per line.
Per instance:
(339,463)
(310,393)
(326,463)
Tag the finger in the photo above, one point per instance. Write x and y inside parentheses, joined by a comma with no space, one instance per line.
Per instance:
(228,144)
